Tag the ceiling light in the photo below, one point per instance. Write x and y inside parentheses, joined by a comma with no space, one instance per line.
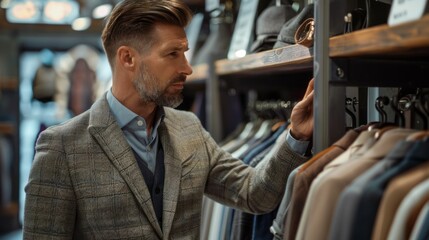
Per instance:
(23,12)
(5,4)
(80,24)
(102,11)
(60,11)
(41,11)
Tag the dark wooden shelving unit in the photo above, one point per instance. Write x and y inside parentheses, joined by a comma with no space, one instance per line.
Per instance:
(292,58)
(406,39)
(381,56)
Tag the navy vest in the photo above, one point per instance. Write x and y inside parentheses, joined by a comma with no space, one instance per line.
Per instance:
(154,181)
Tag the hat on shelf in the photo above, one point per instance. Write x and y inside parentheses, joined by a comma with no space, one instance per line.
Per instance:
(269,24)
(287,33)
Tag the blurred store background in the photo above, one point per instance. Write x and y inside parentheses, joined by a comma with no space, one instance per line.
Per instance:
(52,67)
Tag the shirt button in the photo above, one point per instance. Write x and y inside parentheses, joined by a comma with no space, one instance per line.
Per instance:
(140,123)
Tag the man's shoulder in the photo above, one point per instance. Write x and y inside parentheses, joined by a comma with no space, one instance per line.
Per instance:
(72,125)
(175,114)
(61,135)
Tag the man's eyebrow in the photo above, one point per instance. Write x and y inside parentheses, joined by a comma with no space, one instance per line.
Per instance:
(179,47)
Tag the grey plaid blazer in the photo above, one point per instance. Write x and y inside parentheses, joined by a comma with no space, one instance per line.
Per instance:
(85,182)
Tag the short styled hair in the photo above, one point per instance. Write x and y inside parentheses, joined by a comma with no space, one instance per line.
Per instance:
(132,21)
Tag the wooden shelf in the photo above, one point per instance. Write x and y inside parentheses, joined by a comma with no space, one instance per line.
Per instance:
(287,59)
(408,39)
(7,128)
(8,84)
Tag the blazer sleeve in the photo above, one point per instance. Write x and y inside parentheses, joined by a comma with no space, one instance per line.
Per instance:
(255,190)
(50,204)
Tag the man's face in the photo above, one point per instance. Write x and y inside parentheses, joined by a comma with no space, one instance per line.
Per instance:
(163,68)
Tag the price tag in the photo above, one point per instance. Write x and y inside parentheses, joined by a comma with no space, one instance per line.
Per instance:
(243,30)
(406,10)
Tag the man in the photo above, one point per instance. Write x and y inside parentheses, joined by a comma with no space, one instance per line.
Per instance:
(132,167)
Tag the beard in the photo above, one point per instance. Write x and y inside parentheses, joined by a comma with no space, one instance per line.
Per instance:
(149,89)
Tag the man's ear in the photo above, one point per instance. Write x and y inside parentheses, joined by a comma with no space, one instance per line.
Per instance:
(127,57)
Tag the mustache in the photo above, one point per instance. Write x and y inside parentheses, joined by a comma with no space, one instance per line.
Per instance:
(180,78)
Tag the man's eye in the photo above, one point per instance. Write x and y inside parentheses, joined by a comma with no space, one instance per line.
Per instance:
(174,54)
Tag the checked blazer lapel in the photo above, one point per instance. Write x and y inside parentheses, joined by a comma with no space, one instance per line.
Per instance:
(109,136)
(173,173)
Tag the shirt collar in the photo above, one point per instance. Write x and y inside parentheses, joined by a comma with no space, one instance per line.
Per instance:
(124,116)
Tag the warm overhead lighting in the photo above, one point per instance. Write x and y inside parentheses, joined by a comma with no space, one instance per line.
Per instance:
(23,11)
(102,11)
(80,24)
(5,4)
(59,11)
(42,11)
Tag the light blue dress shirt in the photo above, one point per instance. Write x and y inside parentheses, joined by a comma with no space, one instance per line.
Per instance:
(134,128)
(298,146)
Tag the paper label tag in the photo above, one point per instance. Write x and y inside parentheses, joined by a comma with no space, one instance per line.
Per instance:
(243,30)
(406,10)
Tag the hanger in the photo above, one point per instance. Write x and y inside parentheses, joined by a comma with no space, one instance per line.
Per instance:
(349,101)
(420,109)
(272,113)
(380,102)
(424,102)
(399,115)
(284,109)
(412,102)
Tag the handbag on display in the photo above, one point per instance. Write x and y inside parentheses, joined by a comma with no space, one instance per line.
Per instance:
(44,83)
(45,79)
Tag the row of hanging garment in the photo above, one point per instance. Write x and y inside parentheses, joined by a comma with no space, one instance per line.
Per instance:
(373,183)
(253,142)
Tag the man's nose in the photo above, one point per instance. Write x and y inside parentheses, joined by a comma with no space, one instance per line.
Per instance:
(187,68)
